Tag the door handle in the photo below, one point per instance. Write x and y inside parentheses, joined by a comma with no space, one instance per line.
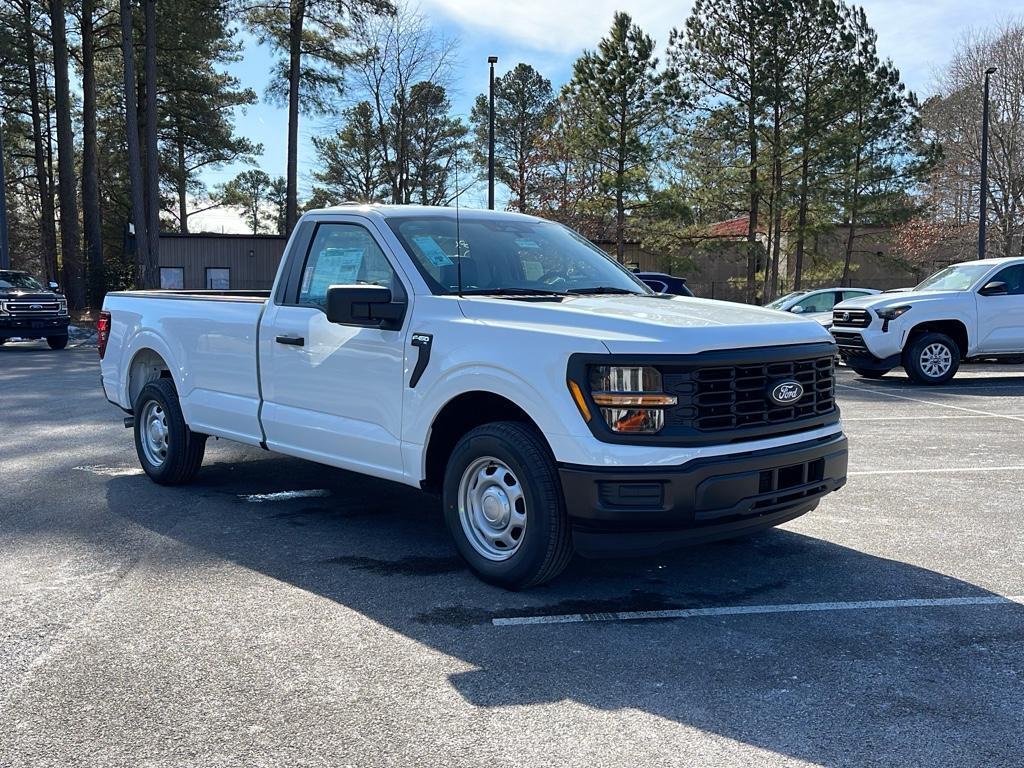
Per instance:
(295,341)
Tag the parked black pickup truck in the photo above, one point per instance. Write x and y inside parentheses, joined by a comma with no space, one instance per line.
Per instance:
(30,311)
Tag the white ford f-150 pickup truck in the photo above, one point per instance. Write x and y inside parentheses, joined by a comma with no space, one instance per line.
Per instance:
(970,310)
(554,401)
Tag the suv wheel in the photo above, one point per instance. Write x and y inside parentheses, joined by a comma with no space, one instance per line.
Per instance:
(931,358)
(170,452)
(503,506)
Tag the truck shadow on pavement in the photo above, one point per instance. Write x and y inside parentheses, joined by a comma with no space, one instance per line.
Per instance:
(896,687)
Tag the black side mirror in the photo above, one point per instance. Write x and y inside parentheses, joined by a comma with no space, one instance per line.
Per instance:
(995,288)
(369,305)
(53,286)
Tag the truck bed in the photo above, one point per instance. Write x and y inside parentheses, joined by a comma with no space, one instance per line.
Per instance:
(249,296)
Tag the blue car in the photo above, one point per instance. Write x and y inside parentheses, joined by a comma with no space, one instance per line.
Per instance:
(663,283)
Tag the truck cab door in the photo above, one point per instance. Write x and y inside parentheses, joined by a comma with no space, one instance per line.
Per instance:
(1001,316)
(333,393)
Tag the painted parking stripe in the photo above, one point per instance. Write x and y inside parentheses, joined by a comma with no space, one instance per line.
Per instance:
(931,402)
(259,498)
(943,417)
(748,610)
(925,471)
(110,471)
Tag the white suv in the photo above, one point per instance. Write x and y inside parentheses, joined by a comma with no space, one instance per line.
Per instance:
(970,310)
(818,304)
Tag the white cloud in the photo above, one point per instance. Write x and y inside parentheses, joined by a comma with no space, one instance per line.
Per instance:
(565,26)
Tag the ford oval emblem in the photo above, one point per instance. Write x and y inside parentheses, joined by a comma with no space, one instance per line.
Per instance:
(786,392)
(36,306)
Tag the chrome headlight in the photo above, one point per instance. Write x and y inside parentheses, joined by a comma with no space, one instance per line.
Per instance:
(630,398)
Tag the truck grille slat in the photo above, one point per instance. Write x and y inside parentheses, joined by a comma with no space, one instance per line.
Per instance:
(719,398)
(850,318)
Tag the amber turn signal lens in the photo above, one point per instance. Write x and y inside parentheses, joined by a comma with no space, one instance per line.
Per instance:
(581,403)
(631,400)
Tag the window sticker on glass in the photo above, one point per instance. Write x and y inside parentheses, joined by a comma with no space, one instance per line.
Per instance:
(522,242)
(432,250)
(336,266)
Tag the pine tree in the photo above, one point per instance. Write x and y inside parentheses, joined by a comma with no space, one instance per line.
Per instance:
(524,106)
(625,103)
(349,164)
(251,191)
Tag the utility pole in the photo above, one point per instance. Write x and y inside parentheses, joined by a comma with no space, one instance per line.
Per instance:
(492,60)
(5,252)
(983,213)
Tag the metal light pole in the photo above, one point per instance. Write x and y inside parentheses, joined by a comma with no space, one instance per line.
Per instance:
(5,252)
(983,214)
(492,60)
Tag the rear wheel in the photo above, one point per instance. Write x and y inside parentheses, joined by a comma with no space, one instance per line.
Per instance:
(868,373)
(170,453)
(931,358)
(57,342)
(503,506)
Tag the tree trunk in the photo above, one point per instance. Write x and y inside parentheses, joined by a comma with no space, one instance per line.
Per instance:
(755,199)
(71,250)
(90,164)
(291,204)
(182,178)
(852,227)
(152,155)
(47,223)
(138,216)
(801,219)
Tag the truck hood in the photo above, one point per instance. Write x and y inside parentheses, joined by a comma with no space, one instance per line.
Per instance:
(642,324)
(913,298)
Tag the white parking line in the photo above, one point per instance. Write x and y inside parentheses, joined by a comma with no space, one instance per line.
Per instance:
(746,610)
(259,498)
(931,402)
(944,417)
(111,471)
(943,470)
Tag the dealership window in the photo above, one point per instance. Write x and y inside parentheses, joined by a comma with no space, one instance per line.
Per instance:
(218,279)
(172,278)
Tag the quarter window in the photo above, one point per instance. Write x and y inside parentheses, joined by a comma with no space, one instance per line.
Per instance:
(343,254)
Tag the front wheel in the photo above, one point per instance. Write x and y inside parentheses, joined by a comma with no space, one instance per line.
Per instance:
(170,452)
(869,373)
(57,342)
(931,358)
(503,506)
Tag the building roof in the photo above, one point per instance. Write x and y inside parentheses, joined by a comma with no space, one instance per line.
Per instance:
(730,228)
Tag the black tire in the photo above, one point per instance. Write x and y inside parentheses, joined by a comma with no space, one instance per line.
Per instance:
(184,449)
(57,342)
(868,373)
(914,366)
(546,546)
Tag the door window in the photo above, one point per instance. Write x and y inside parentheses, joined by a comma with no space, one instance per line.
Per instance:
(818,302)
(218,279)
(1013,276)
(344,254)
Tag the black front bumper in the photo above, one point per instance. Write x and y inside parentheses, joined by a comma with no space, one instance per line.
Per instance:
(644,510)
(33,327)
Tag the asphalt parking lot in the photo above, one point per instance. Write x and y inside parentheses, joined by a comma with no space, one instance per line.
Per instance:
(237,622)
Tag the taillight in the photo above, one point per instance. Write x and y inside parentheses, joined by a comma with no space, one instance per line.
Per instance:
(103,332)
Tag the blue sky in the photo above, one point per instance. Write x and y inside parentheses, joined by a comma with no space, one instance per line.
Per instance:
(917,35)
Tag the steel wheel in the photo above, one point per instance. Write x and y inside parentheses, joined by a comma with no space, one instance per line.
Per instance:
(154,433)
(936,360)
(492,508)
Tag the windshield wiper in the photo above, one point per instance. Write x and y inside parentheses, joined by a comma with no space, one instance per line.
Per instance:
(511,292)
(604,289)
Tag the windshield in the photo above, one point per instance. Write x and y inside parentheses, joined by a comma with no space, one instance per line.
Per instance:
(781,301)
(956,278)
(19,280)
(508,256)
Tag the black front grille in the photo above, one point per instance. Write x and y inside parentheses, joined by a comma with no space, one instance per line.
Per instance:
(849,342)
(851,318)
(736,397)
(32,307)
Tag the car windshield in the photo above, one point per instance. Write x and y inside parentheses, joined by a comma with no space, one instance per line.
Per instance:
(780,302)
(19,280)
(959,277)
(505,256)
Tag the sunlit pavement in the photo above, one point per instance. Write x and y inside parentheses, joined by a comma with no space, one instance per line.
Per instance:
(282,613)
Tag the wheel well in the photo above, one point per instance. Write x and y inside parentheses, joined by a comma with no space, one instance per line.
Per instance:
(145,367)
(956,330)
(459,416)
